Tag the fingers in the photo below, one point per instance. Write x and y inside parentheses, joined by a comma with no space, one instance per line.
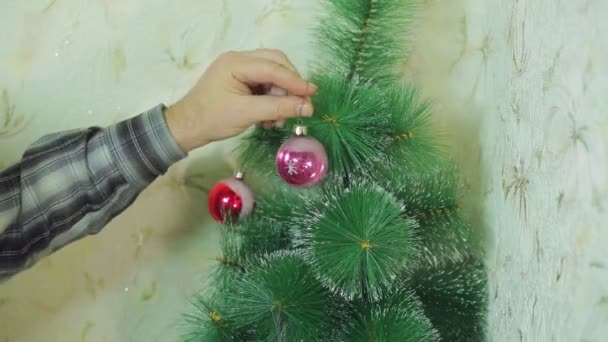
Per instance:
(254,70)
(276,56)
(278,108)
(282,93)
(275,91)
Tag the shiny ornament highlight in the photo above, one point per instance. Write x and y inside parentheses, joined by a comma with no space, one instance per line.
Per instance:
(231,200)
(302,161)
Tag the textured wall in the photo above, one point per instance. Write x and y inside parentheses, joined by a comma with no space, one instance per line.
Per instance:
(519,85)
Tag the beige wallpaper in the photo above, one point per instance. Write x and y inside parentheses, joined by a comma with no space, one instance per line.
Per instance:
(520,86)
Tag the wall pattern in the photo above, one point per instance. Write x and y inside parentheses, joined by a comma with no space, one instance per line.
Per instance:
(520,86)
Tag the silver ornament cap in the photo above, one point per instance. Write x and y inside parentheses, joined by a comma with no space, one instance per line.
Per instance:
(239,175)
(300,130)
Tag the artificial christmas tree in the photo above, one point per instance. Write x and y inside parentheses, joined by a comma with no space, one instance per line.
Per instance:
(379,250)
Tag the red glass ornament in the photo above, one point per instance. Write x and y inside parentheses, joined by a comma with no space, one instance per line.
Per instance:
(302,161)
(231,199)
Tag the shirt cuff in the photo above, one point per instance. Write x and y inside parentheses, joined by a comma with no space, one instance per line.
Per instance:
(143,146)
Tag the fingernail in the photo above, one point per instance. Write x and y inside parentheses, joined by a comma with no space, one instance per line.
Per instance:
(312,87)
(306,109)
(276,91)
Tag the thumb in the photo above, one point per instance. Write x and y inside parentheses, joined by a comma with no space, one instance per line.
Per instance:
(275,108)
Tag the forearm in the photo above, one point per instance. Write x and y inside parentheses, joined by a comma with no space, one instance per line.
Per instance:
(69,185)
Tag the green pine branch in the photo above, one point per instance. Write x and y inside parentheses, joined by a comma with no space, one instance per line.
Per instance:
(397,317)
(430,193)
(367,39)
(454,297)
(258,149)
(279,299)
(356,238)
(208,321)
(351,120)
(415,142)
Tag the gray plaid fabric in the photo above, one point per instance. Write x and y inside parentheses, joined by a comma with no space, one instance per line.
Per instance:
(71,184)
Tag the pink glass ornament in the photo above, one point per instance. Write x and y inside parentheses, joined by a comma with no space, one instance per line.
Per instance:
(302,161)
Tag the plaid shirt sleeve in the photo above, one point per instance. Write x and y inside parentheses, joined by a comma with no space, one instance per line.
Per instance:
(71,184)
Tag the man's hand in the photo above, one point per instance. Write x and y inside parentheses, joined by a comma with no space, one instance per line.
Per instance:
(235,93)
